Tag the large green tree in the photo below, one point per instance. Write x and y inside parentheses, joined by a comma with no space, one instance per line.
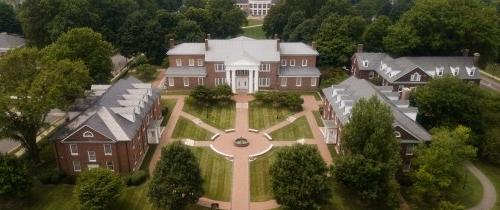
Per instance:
(177,178)
(436,172)
(8,21)
(299,178)
(295,19)
(446,27)
(375,32)
(169,5)
(15,178)
(112,14)
(88,46)
(371,153)
(226,18)
(29,88)
(97,188)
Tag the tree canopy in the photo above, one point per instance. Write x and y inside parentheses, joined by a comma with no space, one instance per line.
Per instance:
(15,178)
(97,188)
(375,32)
(8,21)
(299,178)
(85,45)
(177,179)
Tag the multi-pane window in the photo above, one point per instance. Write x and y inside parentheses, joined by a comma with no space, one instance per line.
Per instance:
(200,62)
(314,80)
(415,77)
(292,62)
(201,81)
(107,149)
(191,62)
(283,82)
(220,81)
(409,149)
(186,81)
(304,62)
(264,81)
(283,62)
(110,166)
(266,67)
(73,148)
(178,62)
(76,165)
(298,81)
(92,157)
(219,67)
(171,81)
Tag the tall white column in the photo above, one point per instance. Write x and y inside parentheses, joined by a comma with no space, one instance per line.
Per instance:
(256,81)
(228,77)
(233,80)
(250,81)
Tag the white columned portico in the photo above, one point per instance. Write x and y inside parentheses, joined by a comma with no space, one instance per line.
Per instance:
(228,77)
(233,80)
(256,81)
(250,81)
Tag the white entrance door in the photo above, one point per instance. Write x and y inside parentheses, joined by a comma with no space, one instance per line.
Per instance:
(241,82)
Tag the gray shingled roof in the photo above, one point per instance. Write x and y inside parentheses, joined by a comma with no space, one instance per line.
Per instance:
(296,48)
(404,65)
(300,71)
(185,71)
(109,99)
(8,41)
(356,89)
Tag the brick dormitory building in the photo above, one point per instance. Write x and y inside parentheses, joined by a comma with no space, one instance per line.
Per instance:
(246,64)
(111,128)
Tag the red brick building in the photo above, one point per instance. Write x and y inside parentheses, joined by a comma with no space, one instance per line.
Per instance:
(246,64)
(411,72)
(113,130)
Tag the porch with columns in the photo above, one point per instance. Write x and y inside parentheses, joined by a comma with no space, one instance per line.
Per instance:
(252,78)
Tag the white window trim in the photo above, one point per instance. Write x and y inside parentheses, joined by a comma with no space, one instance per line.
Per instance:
(95,157)
(304,62)
(88,134)
(219,67)
(71,149)
(371,75)
(265,67)
(365,63)
(298,81)
(397,134)
(112,165)
(283,62)
(171,81)
(415,77)
(185,80)
(220,81)
(292,63)
(264,82)
(200,62)
(79,166)
(314,80)
(284,81)
(110,148)
(178,62)
(409,149)
(191,62)
(201,81)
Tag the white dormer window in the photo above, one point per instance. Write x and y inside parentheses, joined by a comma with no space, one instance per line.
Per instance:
(304,62)
(439,71)
(191,62)
(371,75)
(178,62)
(365,63)
(88,134)
(292,62)
(470,71)
(415,77)
(455,70)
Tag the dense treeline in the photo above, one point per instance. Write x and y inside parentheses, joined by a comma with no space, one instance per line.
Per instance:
(400,27)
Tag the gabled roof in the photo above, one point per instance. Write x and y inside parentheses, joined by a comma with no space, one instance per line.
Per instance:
(394,68)
(8,41)
(114,114)
(353,89)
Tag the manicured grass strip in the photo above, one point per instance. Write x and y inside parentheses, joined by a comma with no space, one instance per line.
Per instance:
(50,197)
(299,129)
(167,107)
(216,172)
(265,116)
(493,173)
(186,129)
(470,191)
(252,22)
(254,32)
(317,115)
(177,92)
(260,179)
(219,116)
(333,152)
(343,199)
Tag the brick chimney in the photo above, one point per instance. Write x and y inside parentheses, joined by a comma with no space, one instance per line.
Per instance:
(313,45)
(360,48)
(206,44)
(477,56)
(209,36)
(278,41)
(171,43)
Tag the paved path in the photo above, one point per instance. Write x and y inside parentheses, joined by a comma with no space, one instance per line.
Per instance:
(253,26)
(201,123)
(489,82)
(310,104)
(283,123)
(489,192)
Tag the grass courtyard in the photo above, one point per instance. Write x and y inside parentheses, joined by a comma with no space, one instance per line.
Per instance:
(254,32)
(219,116)
(216,172)
(265,116)
(299,129)
(260,182)
(167,105)
(186,129)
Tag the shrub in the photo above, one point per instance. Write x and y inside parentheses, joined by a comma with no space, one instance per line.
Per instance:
(288,100)
(97,188)
(49,176)
(146,72)
(136,178)
(15,180)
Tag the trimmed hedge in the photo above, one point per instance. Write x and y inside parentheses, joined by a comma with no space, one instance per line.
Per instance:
(136,178)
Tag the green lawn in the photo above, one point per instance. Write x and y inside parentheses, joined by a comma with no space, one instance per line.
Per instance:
(186,129)
(252,22)
(216,172)
(299,129)
(470,192)
(265,116)
(317,115)
(493,173)
(254,32)
(333,152)
(167,107)
(218,116)
(260,182)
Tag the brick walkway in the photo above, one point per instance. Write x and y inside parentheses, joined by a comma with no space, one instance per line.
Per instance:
(240,194)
